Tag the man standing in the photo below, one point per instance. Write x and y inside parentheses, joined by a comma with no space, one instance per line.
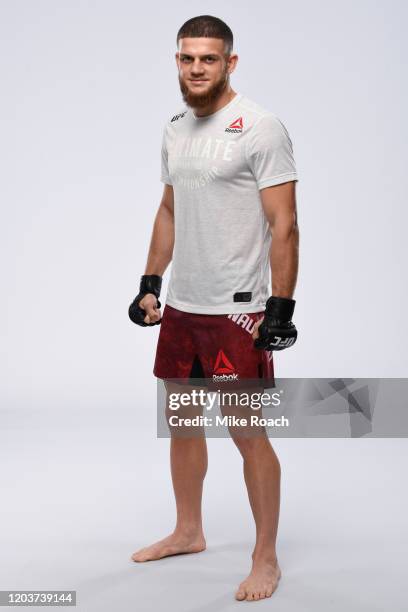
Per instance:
(227,215)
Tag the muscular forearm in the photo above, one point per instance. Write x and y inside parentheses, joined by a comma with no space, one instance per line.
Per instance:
(284,259)
(161,243)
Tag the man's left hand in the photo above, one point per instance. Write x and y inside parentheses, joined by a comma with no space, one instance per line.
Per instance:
(276,331)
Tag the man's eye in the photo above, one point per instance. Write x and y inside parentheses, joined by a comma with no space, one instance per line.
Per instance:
(210,59)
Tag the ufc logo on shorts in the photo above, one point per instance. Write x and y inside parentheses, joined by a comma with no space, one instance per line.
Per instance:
(283,342)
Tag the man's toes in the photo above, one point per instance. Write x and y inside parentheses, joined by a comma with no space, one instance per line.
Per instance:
(140,556)
(269,591)
(241,593)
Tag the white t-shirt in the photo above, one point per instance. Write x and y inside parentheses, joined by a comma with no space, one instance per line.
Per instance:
(217,164)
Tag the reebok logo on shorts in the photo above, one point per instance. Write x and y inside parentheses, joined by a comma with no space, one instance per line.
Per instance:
(236,126)
(223,368)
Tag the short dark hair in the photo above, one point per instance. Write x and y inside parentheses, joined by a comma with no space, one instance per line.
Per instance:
(207,26)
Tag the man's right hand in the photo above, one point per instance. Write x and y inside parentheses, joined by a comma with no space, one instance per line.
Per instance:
(150,305)
(145,308)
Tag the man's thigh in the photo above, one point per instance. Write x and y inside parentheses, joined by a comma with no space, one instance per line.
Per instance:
(243,407)
(184,409)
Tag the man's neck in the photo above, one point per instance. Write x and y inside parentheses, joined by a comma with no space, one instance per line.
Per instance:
(223,100)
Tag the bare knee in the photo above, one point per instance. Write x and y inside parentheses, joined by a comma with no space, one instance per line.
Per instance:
(255,447)
(248,444)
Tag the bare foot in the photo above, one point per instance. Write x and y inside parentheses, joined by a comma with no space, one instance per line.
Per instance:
(174,544)
(261,582)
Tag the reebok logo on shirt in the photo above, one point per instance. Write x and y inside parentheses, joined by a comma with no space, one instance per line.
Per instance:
(236,126)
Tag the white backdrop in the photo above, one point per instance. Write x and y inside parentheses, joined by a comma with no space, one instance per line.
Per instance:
(86,88)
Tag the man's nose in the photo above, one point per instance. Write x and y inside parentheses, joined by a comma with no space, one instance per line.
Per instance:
(197,67)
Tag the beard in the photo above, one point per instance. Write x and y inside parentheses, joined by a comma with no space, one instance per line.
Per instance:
(202,100)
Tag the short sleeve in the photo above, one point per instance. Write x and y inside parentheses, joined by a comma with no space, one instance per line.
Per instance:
(165,178)
(270,153)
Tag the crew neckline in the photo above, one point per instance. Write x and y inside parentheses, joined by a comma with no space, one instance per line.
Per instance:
(231,103)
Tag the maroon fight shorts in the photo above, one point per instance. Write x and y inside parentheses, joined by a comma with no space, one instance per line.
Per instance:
(217,348)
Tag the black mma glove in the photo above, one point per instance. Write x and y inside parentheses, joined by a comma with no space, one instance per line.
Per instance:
(148,284)
(277,331)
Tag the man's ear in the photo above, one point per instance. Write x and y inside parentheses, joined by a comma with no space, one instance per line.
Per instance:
(232,62)
(177,58)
